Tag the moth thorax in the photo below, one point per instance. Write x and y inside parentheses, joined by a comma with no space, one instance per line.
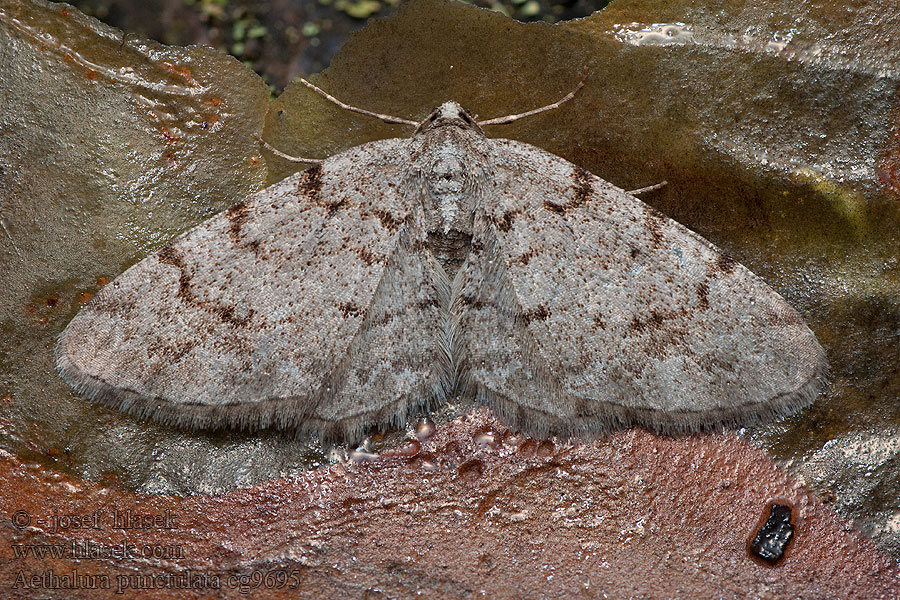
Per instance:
(449,204)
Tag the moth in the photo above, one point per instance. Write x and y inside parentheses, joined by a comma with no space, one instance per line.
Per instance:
(403,272)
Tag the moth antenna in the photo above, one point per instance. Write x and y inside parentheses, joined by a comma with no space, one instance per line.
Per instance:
(536,111)
(280,154)
(649,188)
(362,111)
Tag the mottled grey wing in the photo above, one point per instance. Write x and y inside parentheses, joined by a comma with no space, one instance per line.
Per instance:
(581,308)
(310,305)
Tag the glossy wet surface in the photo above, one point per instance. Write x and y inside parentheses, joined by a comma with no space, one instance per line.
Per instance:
(786,157)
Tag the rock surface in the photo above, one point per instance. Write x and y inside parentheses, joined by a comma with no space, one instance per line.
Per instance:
(786,158)
(476,511)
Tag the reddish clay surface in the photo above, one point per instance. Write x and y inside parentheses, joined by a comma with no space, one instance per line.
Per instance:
(477,511)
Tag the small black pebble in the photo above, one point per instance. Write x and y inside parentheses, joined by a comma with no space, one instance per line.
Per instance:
(773,537)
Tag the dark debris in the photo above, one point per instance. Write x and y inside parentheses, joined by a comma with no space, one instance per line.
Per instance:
(772,539)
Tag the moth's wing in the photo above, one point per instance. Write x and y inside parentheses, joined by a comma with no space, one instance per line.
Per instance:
(581,308)
(310,305)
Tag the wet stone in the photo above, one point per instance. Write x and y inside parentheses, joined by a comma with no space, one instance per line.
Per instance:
(772,539)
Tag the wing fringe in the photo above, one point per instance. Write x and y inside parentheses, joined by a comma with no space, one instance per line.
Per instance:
(610,416)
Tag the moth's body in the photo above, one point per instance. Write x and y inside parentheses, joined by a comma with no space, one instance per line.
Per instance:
(450,163)
(405,270)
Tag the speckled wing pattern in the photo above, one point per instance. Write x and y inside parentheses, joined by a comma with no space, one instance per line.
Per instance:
(285,310)
(581,308)
(402,271)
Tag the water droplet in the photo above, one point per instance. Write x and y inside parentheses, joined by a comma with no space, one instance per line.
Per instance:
(425,462)
(470,470)
(425,429)
(528,448)
(517,517)
(411,448)
(488,439)
(362,456)
(545,449)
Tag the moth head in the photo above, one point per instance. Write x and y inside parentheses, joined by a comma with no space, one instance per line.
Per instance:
(448,114)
